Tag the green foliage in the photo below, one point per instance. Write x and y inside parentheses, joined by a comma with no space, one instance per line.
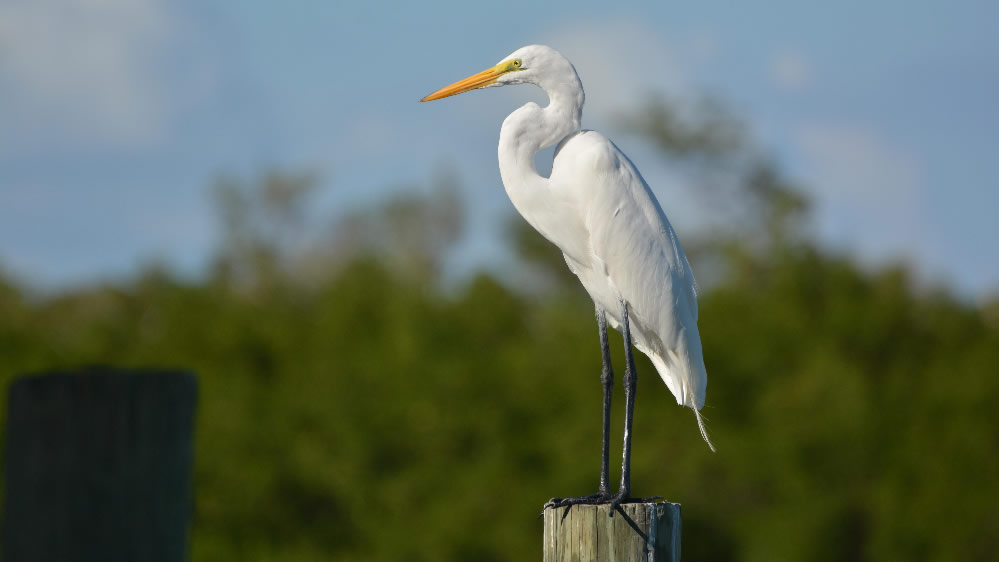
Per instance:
(370,414)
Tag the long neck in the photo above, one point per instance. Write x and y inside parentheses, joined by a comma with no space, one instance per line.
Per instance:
(528,130)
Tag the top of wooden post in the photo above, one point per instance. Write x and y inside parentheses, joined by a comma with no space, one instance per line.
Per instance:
(644,532)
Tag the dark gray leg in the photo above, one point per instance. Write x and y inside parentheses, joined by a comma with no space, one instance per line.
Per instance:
(630,382)
(603,495)
(607,380)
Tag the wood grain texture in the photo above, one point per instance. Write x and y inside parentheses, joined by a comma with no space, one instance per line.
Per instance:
(643,532)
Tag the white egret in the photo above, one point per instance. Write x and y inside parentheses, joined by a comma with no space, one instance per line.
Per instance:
(598,210)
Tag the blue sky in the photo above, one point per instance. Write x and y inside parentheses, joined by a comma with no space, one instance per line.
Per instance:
(117,115)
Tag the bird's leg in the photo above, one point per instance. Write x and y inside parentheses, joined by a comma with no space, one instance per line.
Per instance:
(603,494)
(607,380)
(630,382)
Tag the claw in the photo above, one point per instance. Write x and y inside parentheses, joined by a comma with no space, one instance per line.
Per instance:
(600,498)
(592,499)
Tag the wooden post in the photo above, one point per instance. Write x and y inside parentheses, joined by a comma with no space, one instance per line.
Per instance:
(644,532)
(97,466)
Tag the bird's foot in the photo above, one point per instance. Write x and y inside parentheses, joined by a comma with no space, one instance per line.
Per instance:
(622,497)
(619,498)
(592,499)
(600,498)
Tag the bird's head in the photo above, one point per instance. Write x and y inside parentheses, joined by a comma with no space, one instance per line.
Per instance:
(534,64)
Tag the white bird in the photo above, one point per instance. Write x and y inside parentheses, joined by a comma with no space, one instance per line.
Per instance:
(598,210)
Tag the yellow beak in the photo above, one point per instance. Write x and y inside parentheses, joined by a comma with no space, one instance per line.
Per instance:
(480,80)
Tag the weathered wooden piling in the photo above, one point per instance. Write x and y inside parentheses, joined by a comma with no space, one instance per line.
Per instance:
(638,532)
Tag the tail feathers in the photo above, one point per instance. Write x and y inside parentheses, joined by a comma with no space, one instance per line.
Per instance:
(704,430)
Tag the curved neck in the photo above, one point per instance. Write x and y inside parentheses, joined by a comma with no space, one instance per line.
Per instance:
(530,129)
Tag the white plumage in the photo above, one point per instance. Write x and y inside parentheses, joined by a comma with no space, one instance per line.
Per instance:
(632,254)
(600,212)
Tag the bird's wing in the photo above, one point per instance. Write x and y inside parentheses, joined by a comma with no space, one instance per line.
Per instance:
(634,244)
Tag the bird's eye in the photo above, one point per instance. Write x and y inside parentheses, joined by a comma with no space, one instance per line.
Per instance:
(516,63)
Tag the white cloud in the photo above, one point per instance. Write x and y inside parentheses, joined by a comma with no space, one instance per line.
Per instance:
(869,190)
(83,70)
(619,61)
(790,71)
(854,163)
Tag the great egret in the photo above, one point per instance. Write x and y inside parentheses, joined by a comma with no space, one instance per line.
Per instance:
(599,211)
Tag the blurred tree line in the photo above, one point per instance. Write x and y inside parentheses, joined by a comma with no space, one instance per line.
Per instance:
(355,407)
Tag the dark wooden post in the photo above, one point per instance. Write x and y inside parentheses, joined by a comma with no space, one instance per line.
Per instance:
(97,466)
(643,532)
